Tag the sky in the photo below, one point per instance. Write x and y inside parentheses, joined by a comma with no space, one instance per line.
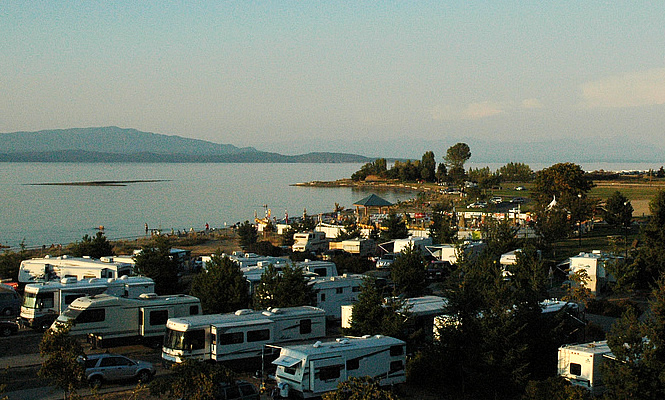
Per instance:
(380,78)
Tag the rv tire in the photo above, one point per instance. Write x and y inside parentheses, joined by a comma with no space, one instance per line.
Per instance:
(7,312)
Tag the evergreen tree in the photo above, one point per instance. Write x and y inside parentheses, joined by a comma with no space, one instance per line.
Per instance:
(248,235)
(408,273)
(396,227)
(428,167)
(441,173)
(222,288)
(639,350)
(443,228)
(285,288)
(96,247)
(618,210)
(372,316)
(649,263)
(155,261)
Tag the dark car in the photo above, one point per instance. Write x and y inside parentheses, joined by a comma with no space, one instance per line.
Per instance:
(10,301)
(240,390)
(8,328)
(100,368)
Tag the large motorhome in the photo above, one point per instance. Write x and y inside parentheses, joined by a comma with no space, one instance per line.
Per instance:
(44,301)
(580,364)
(239,335)
(310,242)
(105,318)
(54,268)
(310,370)
(335,291)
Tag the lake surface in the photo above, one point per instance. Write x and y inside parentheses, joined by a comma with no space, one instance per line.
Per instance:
(182,196)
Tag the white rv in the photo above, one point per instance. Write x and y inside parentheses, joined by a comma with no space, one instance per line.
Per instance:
(594,264)
(418,311)
(417,242)
(335,291)
(450,253)
(580,364)
(104,318)
(239,335)
(314,242)
(310,268)
(54,268)
(44,301)
(360,246)
(509,259)
(310,370)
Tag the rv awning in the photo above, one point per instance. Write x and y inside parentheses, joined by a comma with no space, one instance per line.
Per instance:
(286,361)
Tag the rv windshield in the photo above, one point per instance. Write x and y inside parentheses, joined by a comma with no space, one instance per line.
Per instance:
(189,340)
(38,300)
(174,340)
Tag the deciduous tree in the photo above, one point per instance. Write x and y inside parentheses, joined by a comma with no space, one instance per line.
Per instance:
(193,380)
(359,389)
(62,363)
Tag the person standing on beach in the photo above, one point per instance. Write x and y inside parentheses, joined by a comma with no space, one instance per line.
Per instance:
(146,229)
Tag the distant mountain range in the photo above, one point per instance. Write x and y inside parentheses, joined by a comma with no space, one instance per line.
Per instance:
(113,144)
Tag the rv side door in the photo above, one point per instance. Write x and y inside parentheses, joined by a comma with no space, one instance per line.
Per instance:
(326,373)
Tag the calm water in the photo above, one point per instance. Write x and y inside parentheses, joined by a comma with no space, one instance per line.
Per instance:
(190,196)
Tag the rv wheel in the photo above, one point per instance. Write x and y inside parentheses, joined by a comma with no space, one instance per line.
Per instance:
(7,312)
(5,332)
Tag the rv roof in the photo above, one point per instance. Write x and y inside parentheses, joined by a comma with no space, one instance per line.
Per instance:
(333,346)
(590,348)
(233,318)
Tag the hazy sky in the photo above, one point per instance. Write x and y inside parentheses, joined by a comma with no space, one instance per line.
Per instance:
(268,73)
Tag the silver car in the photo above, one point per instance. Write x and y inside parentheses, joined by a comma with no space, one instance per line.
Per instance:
(100,368)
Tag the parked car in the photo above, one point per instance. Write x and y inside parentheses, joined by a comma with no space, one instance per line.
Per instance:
(10,301)
(8,328)
(240,390)
(496,200)
(520,188)
(386,260)
(518,200)
(478,204)
(100,368)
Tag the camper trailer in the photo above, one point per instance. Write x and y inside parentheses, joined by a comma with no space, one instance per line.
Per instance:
(310,242)
(54,268)
(105,318)
(310,370)
(580,364)
(509,259)
(335,291)
(419,312)
(43,302)
(311,268)
(239,335)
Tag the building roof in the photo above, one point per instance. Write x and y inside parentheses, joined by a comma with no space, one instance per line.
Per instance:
(373,201)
